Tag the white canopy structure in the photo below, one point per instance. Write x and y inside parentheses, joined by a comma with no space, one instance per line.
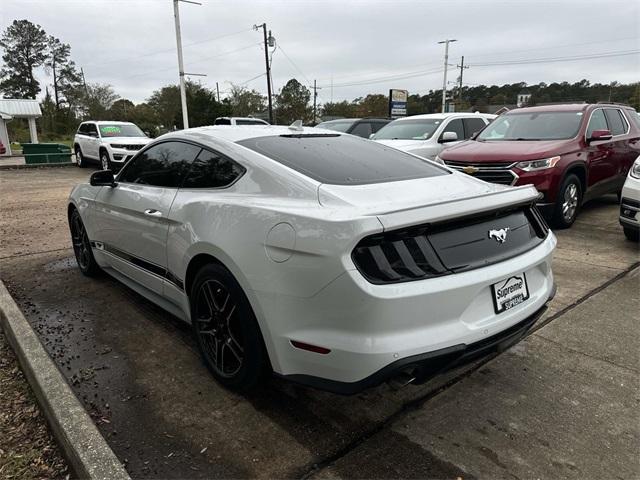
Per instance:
(11,108)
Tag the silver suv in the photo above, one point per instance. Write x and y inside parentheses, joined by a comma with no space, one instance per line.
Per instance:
(427,135)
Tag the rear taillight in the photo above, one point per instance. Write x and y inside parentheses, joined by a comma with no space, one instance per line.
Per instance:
(397,257)
(426,251)
(537,221)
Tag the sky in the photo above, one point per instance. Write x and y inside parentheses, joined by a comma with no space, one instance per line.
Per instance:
(350,47)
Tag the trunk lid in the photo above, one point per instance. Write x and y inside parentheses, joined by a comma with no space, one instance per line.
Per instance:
(425,200)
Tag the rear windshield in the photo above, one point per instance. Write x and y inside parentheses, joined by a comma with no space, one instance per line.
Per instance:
(533,126)
(342,159)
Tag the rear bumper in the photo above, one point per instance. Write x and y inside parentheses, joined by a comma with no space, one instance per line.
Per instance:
(425,366)
(369,327)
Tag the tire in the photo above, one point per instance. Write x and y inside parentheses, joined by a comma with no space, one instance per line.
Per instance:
(632,235)
(568,202)
(80,161)
(82,246)
(226,330)
(105,163)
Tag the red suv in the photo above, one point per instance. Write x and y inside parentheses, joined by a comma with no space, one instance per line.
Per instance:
(571,153)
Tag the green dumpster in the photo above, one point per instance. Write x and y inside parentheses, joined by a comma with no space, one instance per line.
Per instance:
(46,153)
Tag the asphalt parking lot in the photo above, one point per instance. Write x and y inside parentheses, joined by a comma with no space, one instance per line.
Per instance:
(561,404)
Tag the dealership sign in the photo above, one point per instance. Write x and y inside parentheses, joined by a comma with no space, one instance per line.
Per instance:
(398,103)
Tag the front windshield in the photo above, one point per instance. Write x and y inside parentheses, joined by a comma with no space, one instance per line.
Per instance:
(409,129)
(125,130)
(336,126)
(533,126)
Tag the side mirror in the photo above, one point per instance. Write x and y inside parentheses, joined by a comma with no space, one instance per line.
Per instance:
(371,136)
(598,135)
(449,137)
(103,178)
(93,134)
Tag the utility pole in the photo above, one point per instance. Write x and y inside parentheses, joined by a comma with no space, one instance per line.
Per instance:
(315,97)
(268,42)
(446,65)
(183,92)
(84,82)
(218,91)
(461,67)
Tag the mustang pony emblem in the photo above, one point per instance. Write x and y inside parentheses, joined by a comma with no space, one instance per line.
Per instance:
(499,235)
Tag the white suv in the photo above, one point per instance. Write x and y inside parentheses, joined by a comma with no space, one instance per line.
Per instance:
(110,144)
(630,203)
(427,135)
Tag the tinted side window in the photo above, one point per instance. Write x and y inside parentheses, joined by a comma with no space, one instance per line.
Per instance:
(82,129)
(222,121)
(92,129)
(163,165)
(212,170)
(472,125)
(455,126)
(362,129)
(375,126)
(616,122)
(597,122)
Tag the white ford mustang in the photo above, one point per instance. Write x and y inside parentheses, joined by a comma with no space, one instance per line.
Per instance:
(327,259)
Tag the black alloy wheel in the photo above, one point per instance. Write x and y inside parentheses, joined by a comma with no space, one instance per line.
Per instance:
(226,330)
(82,246)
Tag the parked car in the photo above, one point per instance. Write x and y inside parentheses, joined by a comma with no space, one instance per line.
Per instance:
(239,121)
(3,149)
(109,144)
(361,127)
(427,135)
(571,153)
(335,261)
(630,203)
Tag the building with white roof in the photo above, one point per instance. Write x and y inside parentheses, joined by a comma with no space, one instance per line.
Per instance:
(11,108)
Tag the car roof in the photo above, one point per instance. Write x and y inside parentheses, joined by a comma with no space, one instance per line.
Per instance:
(566,107)
(241,118)
(235,133)
(442,116)
(338,120)
(108,122)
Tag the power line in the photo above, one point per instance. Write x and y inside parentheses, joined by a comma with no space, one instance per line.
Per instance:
(388,78)
(554,47)
(557,59)
(149,72)
(157,52)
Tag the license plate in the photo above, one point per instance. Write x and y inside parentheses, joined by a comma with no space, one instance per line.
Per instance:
(510,292)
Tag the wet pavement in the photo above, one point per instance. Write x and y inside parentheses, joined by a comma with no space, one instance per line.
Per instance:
(138,373)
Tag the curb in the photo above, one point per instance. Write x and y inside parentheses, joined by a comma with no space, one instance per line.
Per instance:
(37,165)
(84,447)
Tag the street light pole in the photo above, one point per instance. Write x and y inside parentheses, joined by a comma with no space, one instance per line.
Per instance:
(446,65)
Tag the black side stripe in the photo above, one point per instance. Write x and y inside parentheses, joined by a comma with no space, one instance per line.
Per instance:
(141,263)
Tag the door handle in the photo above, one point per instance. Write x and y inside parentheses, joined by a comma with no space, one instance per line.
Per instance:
(153,212)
